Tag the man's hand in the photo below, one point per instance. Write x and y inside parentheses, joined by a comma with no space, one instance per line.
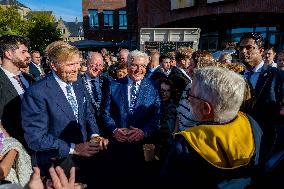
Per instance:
(35,180)
(87,149)
(135,134)
(121,134)
(59,179)
(101,140)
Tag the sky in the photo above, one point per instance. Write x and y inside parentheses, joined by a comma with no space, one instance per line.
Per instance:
(67,9)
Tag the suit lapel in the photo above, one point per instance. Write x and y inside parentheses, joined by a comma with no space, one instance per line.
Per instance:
(123,91)
(142,93)
(6,81)
(59,97)
(80,99)
(262,79)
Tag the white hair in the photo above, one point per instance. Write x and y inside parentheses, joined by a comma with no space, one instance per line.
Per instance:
(223,89)
(136,54)
(11,186)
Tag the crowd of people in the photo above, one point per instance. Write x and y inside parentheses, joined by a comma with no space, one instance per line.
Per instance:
(83,122)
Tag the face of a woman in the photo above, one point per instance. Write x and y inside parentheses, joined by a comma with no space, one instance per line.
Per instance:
(165,92)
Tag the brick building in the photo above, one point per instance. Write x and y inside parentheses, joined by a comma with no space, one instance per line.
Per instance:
(221,21)
(106,20)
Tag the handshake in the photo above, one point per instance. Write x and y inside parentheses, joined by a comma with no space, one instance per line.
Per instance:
(131,134)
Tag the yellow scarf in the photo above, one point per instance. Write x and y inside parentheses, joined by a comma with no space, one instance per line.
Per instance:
(225,146)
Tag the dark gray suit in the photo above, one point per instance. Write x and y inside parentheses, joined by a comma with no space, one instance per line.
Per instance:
(10,106)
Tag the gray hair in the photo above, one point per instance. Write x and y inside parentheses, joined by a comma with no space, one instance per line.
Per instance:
(227,56)
(136,54)
(91,55)
(223,89)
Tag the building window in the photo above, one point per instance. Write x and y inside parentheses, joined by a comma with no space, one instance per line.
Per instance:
(62,31)
(108,19)
(122,20)
(93,18)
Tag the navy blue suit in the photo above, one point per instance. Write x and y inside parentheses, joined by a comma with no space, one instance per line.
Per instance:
(268,97)
(34,71)
(49,122)
(146,114)
(126,159)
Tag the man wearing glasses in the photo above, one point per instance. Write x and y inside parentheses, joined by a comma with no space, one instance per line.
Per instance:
(223,147)
(268,91)
(131,113)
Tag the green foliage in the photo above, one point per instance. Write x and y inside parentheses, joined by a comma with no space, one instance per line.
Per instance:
(11,22)
(39,27)
(42,30)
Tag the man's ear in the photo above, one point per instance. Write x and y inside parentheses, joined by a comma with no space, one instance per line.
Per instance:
(8,54)
(206,108)
(261,51)
(52,65)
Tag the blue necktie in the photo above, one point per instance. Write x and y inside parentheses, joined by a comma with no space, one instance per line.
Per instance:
(71,100)
(133,97)
(95,90)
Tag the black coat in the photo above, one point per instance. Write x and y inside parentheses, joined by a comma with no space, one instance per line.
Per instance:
(10,106)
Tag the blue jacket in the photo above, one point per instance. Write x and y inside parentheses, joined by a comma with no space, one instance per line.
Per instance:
(115,108)
(48,119)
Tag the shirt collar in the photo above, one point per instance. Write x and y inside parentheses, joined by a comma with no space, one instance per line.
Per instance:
(9,74)
(258,67)
(59,81)
(130,81)
(89,78)
(153,69)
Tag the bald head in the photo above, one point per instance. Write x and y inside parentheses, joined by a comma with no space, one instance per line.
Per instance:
(95,64)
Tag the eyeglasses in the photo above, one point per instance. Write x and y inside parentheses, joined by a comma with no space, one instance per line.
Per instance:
(248,47)
(192,96)
(136,66)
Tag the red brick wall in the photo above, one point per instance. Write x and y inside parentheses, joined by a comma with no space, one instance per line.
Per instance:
(157,12)
(103,34)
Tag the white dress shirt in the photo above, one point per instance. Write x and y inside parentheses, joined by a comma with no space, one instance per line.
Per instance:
(15,83)
(129,87)
(63,85)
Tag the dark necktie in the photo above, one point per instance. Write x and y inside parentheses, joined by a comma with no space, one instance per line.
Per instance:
(133,97)
(71,100)
(95,90)
(17,77)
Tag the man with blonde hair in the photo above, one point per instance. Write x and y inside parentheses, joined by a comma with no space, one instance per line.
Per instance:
(56,117)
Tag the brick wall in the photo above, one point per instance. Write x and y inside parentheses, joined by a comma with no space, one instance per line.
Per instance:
(101,33)
(158,13)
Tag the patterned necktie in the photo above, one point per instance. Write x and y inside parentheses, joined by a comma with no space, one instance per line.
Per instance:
(71,100)
(95,90)
(17,77)
(133,97)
